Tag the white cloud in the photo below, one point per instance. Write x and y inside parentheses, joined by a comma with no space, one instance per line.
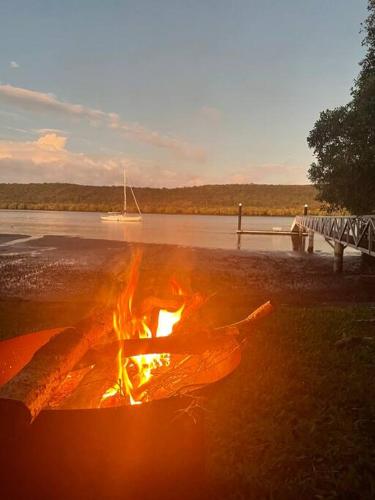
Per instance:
(43,131)
(41,102)
(51,142)
(47,159)
(14,64)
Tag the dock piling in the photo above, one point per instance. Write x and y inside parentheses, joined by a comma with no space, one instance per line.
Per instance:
(310,246)
(239,216)
(338,257)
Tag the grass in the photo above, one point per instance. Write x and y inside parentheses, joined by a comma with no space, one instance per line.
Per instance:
(296,420)
(23,316)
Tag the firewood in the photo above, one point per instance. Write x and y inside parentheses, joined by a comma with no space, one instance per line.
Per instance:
(185,341)
(187,372)
(193,371)
(24,396)
(68,387)
(94,384)
(214,354)
(171,303)
(200,357)
(243,327)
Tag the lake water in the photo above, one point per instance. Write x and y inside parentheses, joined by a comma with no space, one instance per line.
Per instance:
(208,231)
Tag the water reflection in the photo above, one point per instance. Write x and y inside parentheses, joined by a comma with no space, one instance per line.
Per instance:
(187,230)
(296,242)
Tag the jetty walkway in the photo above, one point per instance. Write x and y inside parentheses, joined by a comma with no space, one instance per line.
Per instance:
(340,232)
(357,232)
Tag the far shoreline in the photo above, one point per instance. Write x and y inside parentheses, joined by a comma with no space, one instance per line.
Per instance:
(216,199)
(215,214)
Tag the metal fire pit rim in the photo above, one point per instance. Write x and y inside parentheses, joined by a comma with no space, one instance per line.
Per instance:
(127,408)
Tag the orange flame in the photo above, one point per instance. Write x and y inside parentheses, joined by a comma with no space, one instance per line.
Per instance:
(135,371)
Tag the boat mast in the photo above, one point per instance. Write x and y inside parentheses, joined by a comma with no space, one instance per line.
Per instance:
(124,192)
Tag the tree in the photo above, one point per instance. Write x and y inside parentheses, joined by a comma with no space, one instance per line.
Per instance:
(343,140)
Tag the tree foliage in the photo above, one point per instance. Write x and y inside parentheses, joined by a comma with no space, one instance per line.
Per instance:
(343,140)
(257,199)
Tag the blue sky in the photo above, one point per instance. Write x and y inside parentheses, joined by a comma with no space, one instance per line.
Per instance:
(177,92)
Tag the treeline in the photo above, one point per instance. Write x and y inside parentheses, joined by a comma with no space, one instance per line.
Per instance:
(257,199)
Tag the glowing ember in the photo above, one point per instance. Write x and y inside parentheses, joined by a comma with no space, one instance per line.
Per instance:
(135,371)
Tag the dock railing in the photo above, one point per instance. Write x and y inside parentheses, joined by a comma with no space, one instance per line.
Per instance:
(357,232)
(353,231)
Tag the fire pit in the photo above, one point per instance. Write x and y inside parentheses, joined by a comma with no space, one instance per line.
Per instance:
(109,408)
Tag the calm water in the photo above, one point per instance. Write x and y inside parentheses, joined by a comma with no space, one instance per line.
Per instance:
(207,231)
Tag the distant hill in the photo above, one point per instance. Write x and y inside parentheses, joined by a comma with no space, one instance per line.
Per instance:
(257,199)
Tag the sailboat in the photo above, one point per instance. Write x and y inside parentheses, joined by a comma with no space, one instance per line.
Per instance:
(124,216)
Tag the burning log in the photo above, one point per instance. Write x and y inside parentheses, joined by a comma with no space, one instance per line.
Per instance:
(171,303)
(182,342)
(93,385)
(193,371)
(24,396)
(219,354)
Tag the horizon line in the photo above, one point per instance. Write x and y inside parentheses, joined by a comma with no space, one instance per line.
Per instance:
(153,187)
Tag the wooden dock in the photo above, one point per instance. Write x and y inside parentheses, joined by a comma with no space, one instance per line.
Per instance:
(354,232)
(269,232)
(339,232)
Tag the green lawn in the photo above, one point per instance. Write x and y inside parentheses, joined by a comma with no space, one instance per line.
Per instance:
(297,419)
(24,316)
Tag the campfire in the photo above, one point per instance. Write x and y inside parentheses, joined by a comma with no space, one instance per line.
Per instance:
(155,319)
(130,356)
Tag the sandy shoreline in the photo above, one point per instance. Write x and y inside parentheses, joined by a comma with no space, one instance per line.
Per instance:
(56,267)
(72,270)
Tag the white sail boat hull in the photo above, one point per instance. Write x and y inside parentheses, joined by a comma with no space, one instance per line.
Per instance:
(121,218)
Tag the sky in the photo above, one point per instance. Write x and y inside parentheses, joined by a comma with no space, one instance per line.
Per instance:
(177,92)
